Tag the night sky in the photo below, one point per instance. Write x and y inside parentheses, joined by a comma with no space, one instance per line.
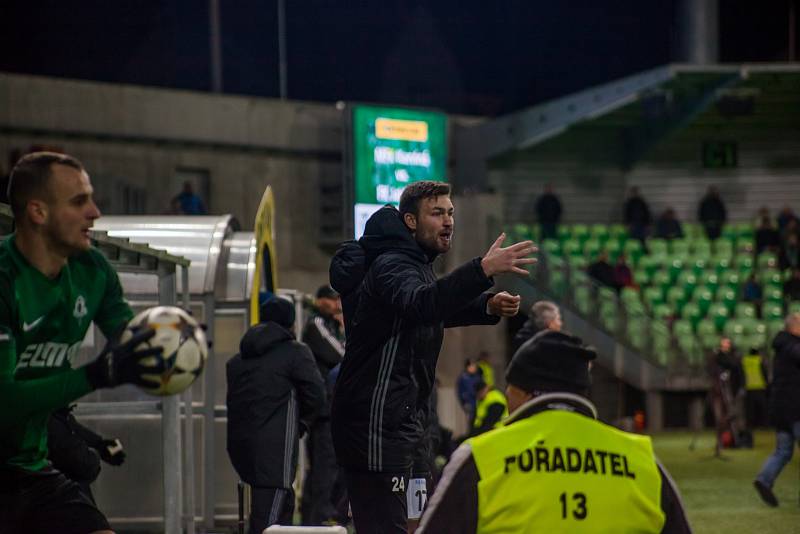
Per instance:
(466,56)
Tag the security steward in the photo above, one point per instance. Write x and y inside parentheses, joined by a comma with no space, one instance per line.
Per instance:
(553,467)
(490,410)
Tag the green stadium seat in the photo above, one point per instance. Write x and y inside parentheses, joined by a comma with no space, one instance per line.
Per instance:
(614,249)
(564,232)
(745,310)
(767,260)
(720,264)
(610,321)
(699,263)
(556,263)
(577,263)
(757,341)
(723,248)
(733,328)
(676,297)
(579,278)
(709,341)
(661,280)
(634,309)
(657,247)
(618,232)
(652,296)
(606,294)
(703,297)
(637,333)
(693,230)
(679,247)
(692,312)
(580,232)
(701,247)
(707,327)
(771,277)
(691,349)
(729,232)
(599,232)
(773,293)
(629,294)
(652,263)
(551,247)
(675,265)
(558,283)
(727,296)
(641,277)
(633,250)
(773,327)
(687,280)
(608,307)
(730,278)
(663,311)
(745,229)
(745,245)
(583,299)
(750,325)
(719,313)
(794,306)
(522,232)
(572,247)
(682,328)
(744,263)
(709,279)
(592,248)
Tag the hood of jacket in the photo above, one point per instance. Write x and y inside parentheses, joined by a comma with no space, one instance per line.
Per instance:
(384,232)
(262,338)
(782,340)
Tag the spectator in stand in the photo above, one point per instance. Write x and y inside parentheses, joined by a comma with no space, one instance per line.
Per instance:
(712,213)
(790,253)
(467,380)
(767,237)
(603,272)
(636,215)
(785,217)
(548,211)
(791,287)
(763,212)
(668,226)
(751,291)
(190,203)
(544,315)
(622,273)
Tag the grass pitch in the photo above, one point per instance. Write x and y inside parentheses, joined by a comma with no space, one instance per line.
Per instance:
(718,494)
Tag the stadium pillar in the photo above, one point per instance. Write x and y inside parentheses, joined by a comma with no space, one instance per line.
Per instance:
(654,403)
(698,31)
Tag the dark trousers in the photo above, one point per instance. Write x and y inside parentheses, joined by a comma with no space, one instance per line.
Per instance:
(756,408)
(378,501)
(317,503)
(270,506)
(548,231)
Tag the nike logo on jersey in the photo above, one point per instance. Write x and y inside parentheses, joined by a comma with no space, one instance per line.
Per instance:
(27,327)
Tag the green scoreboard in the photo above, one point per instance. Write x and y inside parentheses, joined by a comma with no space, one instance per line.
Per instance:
(392,147)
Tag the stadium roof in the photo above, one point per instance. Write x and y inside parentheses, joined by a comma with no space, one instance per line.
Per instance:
(638,111)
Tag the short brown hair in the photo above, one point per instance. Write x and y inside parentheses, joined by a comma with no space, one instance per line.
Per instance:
(30,175)
(416,191)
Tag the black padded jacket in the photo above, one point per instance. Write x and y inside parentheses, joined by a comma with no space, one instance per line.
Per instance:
(395,313)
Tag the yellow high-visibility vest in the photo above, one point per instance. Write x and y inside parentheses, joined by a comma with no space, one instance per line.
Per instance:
(753,373)
(482,409)
(487,372)
(559,471)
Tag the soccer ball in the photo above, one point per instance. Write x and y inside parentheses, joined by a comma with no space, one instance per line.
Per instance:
(184,345)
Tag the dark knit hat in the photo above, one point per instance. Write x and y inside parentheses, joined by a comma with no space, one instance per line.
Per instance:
(327,292)
(279,311)
(551,361)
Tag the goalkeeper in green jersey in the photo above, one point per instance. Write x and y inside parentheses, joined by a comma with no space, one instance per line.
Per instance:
(53,284)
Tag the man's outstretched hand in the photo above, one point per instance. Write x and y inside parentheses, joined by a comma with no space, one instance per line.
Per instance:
(503,304)
(499,260)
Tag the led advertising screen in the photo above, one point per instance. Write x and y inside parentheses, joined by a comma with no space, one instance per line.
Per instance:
(393,147)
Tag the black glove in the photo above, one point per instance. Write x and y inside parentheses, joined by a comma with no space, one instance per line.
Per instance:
(121,363)
(111,452)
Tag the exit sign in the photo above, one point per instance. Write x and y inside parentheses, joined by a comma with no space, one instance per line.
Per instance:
(720,154)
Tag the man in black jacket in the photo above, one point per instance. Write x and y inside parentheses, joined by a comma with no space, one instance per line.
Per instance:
(497,481)
(395,312)
(784,406)
(636,215)
(712,213)
(322,336)
(274,393)
(548,211)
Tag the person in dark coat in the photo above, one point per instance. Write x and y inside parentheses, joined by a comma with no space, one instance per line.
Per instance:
(636,215)
(274,393)
(712,213)
(465,387)
(322,335)
(784,406)
(668,226)
(76,450)
(395,312)
(767,237)
(603,272)
(548,211)
(544,315)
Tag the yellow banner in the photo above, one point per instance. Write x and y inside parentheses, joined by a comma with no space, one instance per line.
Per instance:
(266,273)
(401,130)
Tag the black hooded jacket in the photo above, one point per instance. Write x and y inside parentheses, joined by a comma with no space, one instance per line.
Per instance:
(274,392)
(784,402)
(395,313)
